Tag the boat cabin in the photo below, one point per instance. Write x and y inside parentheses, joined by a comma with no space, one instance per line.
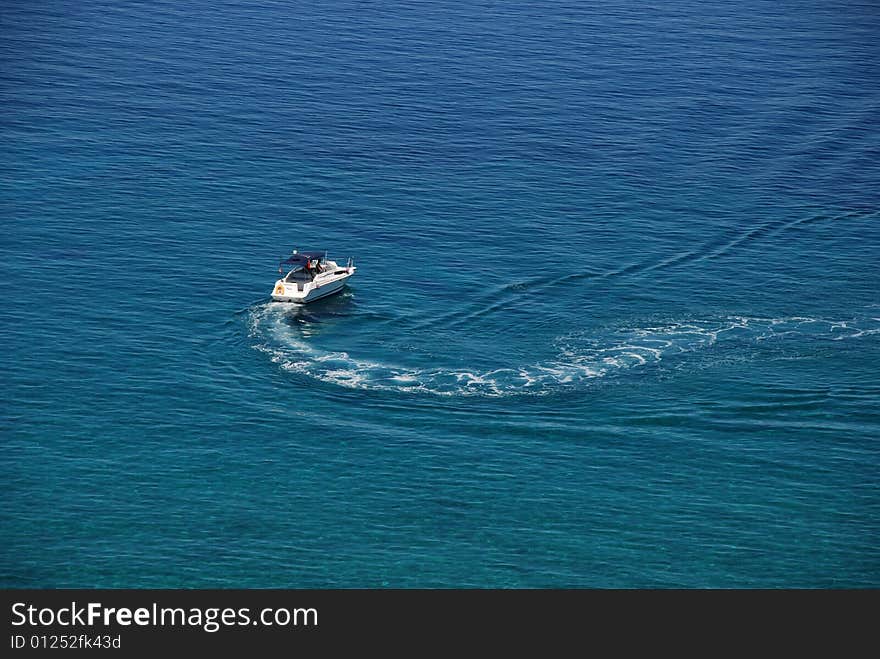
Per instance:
(303,266)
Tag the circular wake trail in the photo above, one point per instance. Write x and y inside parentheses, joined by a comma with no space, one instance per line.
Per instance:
(580,358)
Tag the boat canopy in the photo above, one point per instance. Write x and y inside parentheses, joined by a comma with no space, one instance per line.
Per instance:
(302,258)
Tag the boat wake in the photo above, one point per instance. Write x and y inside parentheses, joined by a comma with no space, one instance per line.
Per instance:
(581,358)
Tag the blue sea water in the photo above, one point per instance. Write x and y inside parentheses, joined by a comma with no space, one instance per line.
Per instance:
(615,323)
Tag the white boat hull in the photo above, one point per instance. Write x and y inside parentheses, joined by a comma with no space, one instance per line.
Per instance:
(322,286)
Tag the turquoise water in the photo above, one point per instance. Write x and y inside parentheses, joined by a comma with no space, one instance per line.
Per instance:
(615,324)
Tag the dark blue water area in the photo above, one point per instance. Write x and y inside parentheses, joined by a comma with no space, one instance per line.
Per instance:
(615,321)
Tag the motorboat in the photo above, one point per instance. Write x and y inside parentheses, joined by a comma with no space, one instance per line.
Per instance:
(310,276)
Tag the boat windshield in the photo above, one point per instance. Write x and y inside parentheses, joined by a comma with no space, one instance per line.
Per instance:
(298,275)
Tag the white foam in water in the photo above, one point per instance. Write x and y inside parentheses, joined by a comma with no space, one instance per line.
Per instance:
(581,357)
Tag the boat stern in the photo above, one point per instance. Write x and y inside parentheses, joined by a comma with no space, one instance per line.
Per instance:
(287,292)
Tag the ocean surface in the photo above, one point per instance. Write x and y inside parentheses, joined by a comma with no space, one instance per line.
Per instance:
(615,324)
